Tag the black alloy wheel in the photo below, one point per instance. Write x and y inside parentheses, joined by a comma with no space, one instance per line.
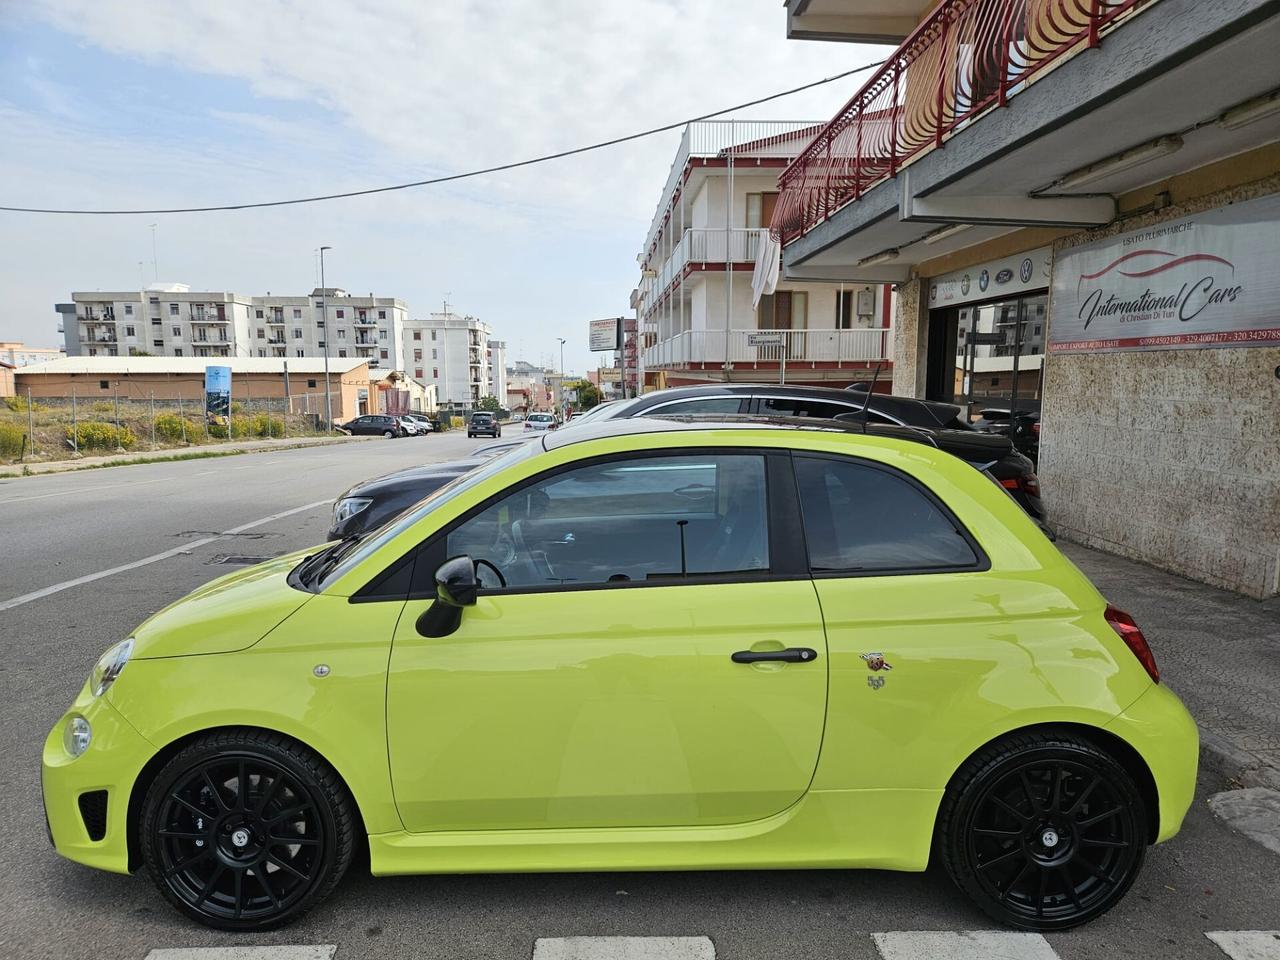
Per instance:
(246,830)
(1043,831)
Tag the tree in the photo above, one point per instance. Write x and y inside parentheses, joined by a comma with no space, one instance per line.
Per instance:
(588,394)
(489,403)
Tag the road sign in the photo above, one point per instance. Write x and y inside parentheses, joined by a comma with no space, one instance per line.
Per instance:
(605,334)
(764,339)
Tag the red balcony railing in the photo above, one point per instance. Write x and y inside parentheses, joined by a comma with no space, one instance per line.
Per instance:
(966,57)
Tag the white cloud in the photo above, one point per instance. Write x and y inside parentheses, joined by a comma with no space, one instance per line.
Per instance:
(406,90)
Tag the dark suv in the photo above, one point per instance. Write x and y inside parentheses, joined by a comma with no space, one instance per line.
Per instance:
(373,425)
(483,424)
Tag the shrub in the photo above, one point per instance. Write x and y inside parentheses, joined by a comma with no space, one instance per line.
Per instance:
(11,440)
(21,404)
(101,435)
(237,408)
(265,425)
(170,426)
(102,406)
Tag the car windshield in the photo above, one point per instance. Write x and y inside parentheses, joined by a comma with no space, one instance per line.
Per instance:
(541,417)
(375,540)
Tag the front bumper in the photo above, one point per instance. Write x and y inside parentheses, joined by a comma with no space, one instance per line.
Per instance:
(1159,727)
(113,761)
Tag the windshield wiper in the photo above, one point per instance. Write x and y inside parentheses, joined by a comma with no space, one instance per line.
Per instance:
(315,567)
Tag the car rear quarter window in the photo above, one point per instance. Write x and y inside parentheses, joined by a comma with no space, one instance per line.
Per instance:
(861,519)
(806,407)
(707,405)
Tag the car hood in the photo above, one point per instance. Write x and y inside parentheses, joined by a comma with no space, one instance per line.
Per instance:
(413,476)
(230,613)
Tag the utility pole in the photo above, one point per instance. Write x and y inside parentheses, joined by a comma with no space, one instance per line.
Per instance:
(324,321)
(561,398)
(155,264)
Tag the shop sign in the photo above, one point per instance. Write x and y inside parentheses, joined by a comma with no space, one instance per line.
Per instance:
(1207,280)
(1017,274)
(605,334)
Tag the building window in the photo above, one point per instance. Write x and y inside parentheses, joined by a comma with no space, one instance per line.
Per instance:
(319,324)
(382,334)
(433,334)
(341,314)
(342,334)
(128,309)
(418,373)
(417,355)
(258,315)
(297,313)
(177,352)
(342,353)
(128,331)
(321,345)
(297,333)
(177,331)
(104,384)
(384,355)
(435,373)
(262,333)
(417,334)
(382,314)
(783,310)
(760,209)
(261,352)
(173,309)
(155,300)
(299,353)
(158,344)
(433,354)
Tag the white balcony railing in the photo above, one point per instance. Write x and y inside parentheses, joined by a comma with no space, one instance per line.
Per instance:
(824,346)
(705,245)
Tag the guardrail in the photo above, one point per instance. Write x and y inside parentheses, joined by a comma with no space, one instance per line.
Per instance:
(823,346)
(964,58)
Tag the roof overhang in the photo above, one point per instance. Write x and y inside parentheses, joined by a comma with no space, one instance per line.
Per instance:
(1156,77)
(854,21)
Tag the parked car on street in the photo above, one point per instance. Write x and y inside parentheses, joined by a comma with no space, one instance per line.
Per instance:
(373,425)
(641,644)
(538,422)
(482,423)
(422,423)
(1023,430)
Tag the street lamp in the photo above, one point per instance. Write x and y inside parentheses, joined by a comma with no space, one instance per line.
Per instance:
(324,323)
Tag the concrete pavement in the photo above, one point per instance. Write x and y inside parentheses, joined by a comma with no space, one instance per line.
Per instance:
(62,528)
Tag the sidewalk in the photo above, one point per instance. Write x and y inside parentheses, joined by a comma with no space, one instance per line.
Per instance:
(195,451)
(1219,651)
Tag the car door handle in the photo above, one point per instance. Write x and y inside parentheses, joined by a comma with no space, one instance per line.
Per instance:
(789,655)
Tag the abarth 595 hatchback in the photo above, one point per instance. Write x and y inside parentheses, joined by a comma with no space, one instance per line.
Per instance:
(640,645)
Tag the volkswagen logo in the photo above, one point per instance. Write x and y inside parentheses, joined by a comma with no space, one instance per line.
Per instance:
(1025,270)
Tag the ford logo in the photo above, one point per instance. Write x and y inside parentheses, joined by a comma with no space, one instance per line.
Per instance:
(1004,276)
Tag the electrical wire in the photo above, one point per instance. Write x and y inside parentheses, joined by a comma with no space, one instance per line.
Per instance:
(469,174)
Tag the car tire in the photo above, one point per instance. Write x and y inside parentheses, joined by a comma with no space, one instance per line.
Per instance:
(1043,830)
(389,434)
(210,824)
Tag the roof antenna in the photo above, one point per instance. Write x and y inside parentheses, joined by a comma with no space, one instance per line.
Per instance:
(867,402)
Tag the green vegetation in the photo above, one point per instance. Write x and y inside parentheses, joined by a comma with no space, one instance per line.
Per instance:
(11,436)
(102,436)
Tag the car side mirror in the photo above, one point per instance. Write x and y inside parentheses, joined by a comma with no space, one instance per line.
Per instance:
(456,587)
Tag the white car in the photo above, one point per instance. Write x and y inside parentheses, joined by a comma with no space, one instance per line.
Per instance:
(540,422)
(419,422)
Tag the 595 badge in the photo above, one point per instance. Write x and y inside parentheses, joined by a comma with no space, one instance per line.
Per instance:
(876,664)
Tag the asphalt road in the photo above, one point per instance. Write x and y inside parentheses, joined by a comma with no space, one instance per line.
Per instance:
(63,528)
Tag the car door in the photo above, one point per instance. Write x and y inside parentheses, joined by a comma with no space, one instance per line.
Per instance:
(599,687)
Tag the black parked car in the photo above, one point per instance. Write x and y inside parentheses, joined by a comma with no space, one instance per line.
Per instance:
(367,505)
(373,425)
(1023,428)
(484,424)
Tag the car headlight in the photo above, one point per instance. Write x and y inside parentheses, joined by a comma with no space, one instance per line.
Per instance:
(349,507)
(109,666)
(76,735)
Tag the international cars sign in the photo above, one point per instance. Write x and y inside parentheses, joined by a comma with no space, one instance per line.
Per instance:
(605,334)
(1207,280)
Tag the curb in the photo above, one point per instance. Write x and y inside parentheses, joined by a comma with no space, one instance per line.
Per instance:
(1243,768)
(176,455)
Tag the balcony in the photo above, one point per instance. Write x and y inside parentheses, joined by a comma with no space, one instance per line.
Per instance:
(700,349)
(867,198)
(364,322)
(99,338)
(701,248)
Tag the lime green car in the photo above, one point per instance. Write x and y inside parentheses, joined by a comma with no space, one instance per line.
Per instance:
(642,645)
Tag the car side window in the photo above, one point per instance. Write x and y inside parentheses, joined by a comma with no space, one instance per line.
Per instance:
(802,407)
(862,519)
(634,520)
(708,405)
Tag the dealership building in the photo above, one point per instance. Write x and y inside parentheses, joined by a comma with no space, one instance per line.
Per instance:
(1080,211)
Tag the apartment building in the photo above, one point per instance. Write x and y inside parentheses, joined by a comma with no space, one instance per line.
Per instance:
(1090,188)
(700,318)
(18,354)
(452,353)
(172,320)
(497,357)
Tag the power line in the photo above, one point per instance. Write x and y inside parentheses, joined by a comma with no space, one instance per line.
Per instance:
(454,176)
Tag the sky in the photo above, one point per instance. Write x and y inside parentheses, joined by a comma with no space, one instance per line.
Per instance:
(120,104)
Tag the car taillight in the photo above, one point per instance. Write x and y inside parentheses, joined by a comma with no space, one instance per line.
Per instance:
(1029,484)
(1128,631)
(1035,428)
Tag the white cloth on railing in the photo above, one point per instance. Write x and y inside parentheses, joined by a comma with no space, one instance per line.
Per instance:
(768,266)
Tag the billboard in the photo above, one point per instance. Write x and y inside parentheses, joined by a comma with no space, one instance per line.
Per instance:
(217,394)
(605,334)
(1207,280)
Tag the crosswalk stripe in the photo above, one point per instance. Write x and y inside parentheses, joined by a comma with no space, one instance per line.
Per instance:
(317,951)
(1247,944)
(624,948)
(963,945)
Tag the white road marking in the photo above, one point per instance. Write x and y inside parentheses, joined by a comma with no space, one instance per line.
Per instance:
(315,952)
(624,948)
(154,558)
(86,490)
(1247,944)
(963,945)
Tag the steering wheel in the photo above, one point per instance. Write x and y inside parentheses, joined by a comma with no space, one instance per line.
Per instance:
(496,572)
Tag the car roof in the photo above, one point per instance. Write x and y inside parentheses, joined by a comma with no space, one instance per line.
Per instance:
(900,408)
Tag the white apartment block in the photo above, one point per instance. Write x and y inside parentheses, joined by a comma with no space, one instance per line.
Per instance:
(171,320)
(695,299)
(452,352)
(498,369)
